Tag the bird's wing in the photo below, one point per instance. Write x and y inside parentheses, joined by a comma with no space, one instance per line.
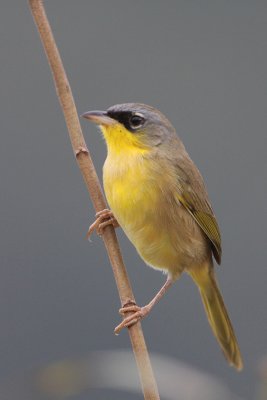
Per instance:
(193,196)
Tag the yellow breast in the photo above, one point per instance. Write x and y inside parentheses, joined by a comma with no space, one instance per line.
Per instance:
(133,193)
(129,190)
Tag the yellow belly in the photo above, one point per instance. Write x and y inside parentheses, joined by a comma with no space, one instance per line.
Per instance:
(134,192)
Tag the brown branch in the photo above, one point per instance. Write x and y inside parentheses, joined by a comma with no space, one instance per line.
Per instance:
(86,166)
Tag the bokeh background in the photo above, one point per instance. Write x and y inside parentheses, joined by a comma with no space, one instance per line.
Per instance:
(203,64)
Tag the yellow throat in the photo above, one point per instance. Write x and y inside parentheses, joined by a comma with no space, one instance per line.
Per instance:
(121,142)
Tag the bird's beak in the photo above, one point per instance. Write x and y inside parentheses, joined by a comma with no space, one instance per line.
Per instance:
(99,117)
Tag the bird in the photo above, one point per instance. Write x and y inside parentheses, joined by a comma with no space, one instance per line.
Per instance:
(157,195)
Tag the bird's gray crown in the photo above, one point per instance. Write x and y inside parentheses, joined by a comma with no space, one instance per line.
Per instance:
(149,117)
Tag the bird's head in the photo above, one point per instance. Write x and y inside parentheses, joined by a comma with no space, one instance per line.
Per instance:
(132,126)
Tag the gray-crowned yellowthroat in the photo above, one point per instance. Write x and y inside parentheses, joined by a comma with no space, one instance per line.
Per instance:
(158,197)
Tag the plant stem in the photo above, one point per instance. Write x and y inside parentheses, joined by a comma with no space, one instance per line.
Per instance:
(88,172)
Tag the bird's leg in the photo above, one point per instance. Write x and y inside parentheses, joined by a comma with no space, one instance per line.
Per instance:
(103,218)
(140,312)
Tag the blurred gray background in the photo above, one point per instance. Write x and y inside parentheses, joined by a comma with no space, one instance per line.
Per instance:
(203,64)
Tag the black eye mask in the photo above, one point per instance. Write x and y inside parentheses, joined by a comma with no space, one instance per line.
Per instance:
(129,119)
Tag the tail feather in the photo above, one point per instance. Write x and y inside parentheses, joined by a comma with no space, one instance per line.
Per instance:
(217,315)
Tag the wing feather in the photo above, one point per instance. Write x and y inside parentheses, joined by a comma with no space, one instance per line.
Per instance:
(193,196)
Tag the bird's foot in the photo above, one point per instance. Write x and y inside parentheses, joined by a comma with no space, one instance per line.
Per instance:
(103,219)
(138,314)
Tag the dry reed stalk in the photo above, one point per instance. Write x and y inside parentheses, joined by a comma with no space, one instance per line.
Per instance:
(88,172)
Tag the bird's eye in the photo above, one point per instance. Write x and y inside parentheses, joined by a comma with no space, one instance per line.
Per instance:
(136,121)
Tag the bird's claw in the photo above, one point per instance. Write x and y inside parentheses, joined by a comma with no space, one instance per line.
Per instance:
(138,314)
(103,219)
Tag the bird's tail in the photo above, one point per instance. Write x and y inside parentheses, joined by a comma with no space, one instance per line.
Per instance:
(217,314)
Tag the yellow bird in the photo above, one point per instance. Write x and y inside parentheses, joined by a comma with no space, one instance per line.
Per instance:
(158,197)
